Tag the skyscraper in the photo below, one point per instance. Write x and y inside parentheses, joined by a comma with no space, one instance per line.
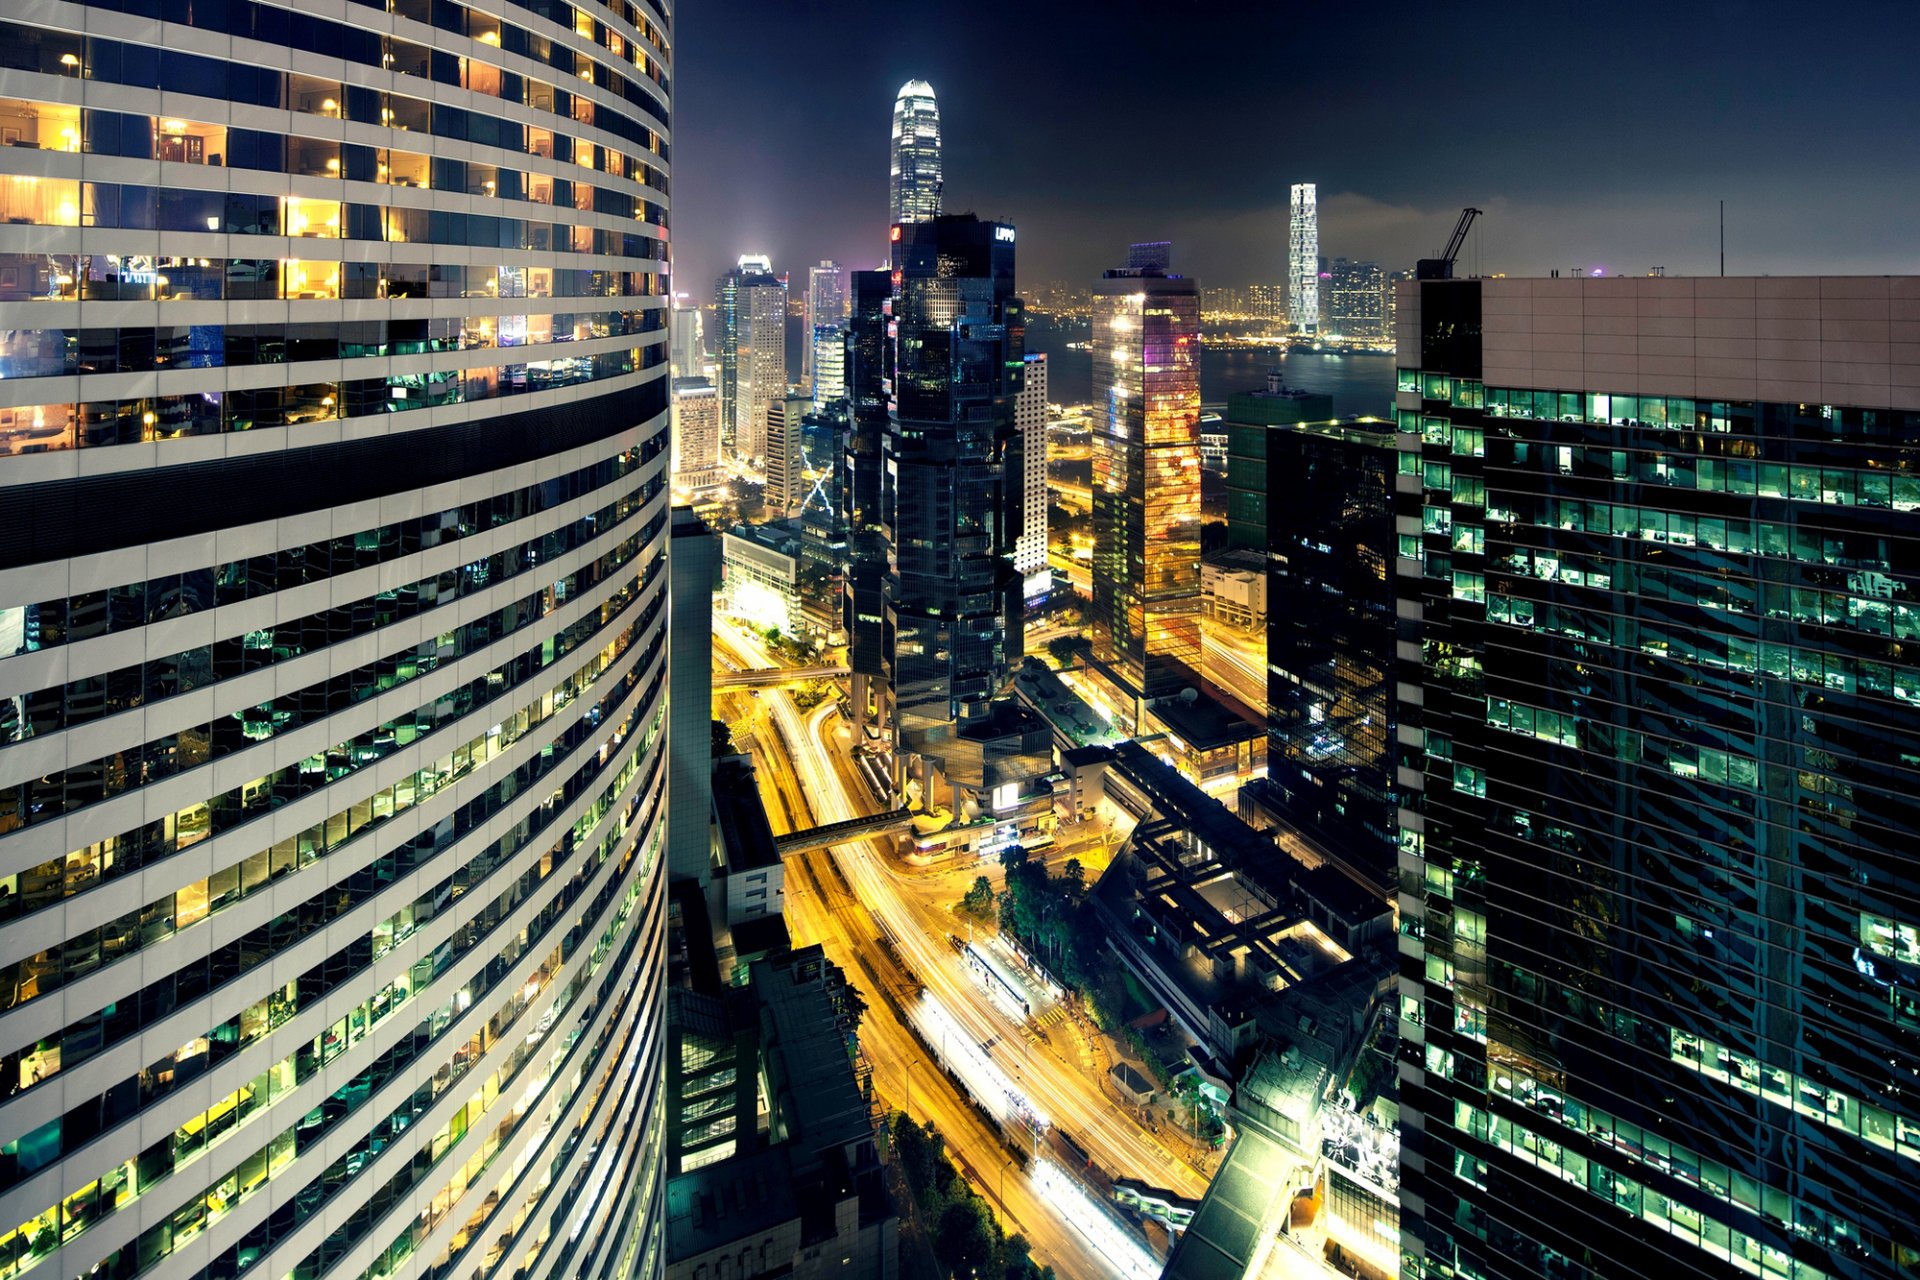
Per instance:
(957,347)
(1146,484)
(689,350)
(914,186)
(1660,910)
(733,316)
(696,435)
(1303,259)
(332,673)
(1356,301)
(1030,413)
(869,365)
(826,310)
(829,381)
(763,311)
(786,456)
(1330,635)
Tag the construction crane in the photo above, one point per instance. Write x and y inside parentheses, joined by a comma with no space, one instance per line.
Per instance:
(1441,268)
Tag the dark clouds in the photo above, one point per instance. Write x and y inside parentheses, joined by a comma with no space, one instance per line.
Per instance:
(1591,134)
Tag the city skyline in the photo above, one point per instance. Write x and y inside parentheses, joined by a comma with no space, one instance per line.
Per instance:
(1042,135)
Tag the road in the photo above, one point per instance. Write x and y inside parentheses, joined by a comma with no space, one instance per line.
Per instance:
(1235,660)
(814,781)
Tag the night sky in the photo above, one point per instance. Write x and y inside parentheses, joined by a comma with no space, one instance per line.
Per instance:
(1593,135)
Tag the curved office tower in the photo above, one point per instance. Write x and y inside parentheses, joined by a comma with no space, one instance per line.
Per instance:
(333,522)
(914,185)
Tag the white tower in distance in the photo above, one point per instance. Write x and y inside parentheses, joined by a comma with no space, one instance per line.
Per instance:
(1303,259)
(914,187)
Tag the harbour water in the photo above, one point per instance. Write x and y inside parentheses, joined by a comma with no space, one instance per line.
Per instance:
(1359,384)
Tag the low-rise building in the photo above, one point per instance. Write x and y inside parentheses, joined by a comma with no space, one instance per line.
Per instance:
(761,576)
(1233,589)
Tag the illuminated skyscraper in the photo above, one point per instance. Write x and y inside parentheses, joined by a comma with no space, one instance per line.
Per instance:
(1659,912)
(732,306)
(1146,484)
(826,311)
(332,645)
(696,435)
(1303,259)
(763,313)
(830,368)
(1030,548)
(957,342)
(914,186)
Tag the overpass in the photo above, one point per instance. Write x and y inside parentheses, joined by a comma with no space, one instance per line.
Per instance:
(833,833)
(769,677)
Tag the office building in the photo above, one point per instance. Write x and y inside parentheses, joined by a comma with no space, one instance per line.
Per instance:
(913,189)
(1251,418)
(1303,259)
(733,306)
(689,348)
(953,602)
(868,361)
(786,456)
(696,435)
(695,573)
(1030,414)
(1146,486)
(763,373)
(1356,301)
(1658,551)
(1330,637)
(829,385)
(333,690)
(797,1189)
(762,576)
(826,310)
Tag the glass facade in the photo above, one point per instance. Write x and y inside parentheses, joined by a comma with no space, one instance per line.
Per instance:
(868,358)
(1329,636)
(331,912)
(1146,482)
(1660,999)
(951,497)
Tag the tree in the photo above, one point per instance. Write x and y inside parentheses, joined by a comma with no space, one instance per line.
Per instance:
(1065,650)
(722,738)
(964,1238)
(978,901)
(922,1151)
(1074,875)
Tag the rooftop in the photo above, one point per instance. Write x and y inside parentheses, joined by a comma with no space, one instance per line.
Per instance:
(712,1207)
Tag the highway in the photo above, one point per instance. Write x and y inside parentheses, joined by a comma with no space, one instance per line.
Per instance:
(813,781)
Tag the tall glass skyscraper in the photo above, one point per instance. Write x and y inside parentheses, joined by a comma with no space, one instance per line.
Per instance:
(951,503)
(1330,633)
(1660,734)
(914,186)
(1146,483)
(333,522)
(1303,258)
(869,363)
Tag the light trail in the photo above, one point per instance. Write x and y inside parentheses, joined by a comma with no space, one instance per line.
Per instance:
(1103,1232)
